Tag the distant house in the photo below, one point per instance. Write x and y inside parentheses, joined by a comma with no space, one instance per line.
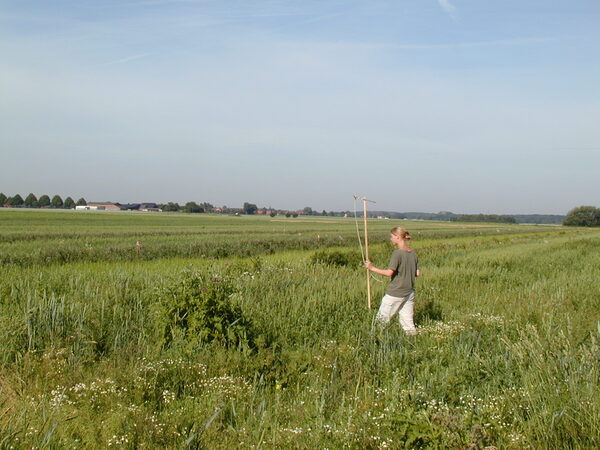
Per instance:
(153,207)
(105,206)
(108,206)
(130,207)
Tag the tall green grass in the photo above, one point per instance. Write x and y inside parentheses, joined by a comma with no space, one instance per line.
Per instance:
(507,353)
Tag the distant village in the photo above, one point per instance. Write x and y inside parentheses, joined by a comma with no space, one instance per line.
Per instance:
(56,202)
(119,207)
(191,207)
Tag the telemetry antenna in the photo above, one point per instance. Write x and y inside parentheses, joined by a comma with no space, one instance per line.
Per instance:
(365,200)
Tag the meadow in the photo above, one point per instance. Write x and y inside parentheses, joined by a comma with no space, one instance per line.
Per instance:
(249,332)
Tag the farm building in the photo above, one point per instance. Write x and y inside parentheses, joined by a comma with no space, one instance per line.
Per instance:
(153,207)
(105,206)
(87,208)
(108,206)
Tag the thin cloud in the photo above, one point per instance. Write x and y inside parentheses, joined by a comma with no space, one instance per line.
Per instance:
(125,60)
(449,8)
(497,42)
(352,45)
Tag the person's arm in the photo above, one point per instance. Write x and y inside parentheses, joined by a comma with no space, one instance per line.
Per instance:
(385,272)
(418,272)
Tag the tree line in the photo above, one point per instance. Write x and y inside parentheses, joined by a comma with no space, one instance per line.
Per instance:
(189,207)
(448,216)
(251,208)
(494,218)
(582,216)
(31,201)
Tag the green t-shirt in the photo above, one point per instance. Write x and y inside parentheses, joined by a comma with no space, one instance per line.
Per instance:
(405,265)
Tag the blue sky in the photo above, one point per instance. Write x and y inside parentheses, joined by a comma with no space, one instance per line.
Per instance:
(421,105)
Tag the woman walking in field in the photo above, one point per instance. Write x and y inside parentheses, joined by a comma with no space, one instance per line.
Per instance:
(400,294)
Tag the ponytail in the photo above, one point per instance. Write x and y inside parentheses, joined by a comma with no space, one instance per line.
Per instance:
(402,233)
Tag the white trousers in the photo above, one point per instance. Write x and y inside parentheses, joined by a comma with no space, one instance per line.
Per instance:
(403,306)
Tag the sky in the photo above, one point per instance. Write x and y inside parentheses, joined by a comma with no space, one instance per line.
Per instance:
(419,105)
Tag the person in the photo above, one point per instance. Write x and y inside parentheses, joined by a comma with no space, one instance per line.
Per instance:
(400,294)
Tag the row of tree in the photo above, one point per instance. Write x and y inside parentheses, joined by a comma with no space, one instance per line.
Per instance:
(251,208)
(448,216)
(308,211)
(583,216)
(494,218)
(31,201)
(189,207)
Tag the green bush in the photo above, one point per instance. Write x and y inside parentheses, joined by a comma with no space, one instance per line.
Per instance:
(198,310)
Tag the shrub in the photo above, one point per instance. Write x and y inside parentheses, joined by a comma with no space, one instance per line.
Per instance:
(198,309)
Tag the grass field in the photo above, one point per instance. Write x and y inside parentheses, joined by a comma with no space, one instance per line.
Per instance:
(247,332)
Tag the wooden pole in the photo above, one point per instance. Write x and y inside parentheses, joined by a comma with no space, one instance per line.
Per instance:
(365,215)
(367,253)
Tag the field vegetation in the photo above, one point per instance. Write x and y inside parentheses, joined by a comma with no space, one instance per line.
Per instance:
(137,330)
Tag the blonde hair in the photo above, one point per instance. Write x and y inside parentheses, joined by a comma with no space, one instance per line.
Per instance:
(402,233)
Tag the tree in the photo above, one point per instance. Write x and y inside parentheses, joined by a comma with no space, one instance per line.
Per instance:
(171,207)
(31,201)
(250,208)
(207,207)
(272,213)
(44,200)
(69,203)
(583,216)
(81,202)
(56,202)
(193,207)
(2,199)
(17,200)
(308,211)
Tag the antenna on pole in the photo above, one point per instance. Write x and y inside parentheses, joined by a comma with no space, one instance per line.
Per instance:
(365,200)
